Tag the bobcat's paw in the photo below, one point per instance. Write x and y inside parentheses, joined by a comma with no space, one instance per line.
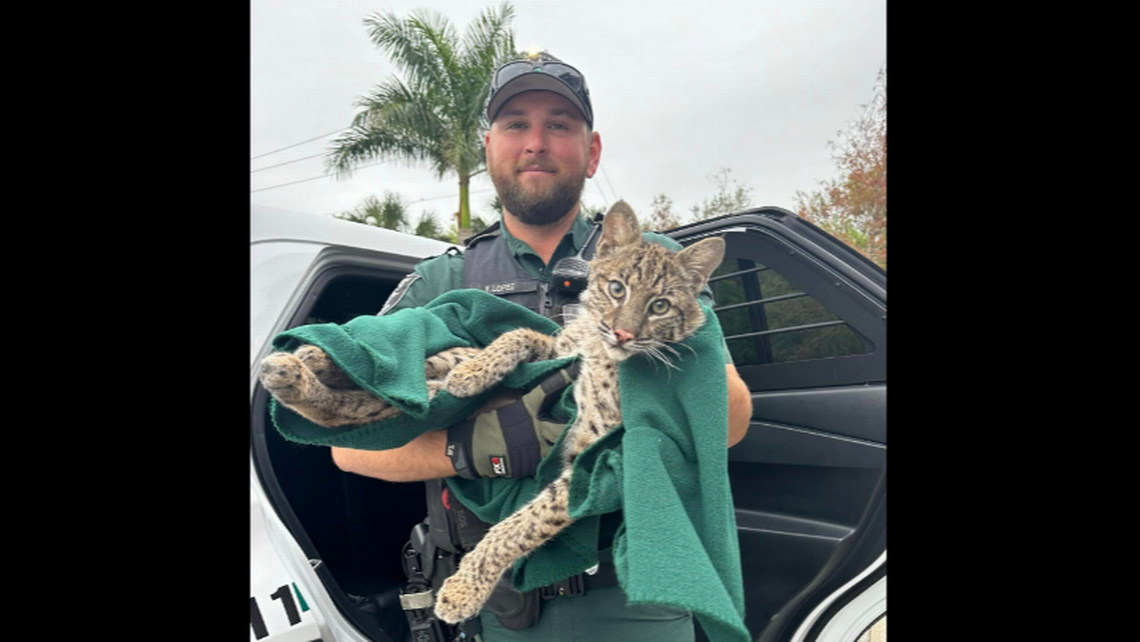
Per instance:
(459,599)
(468,379)
(323,367)
(283,375)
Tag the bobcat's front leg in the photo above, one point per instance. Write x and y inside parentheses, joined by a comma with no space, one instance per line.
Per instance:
(497,360)
(288,378)
(312,385)
(439,364)
(463,594)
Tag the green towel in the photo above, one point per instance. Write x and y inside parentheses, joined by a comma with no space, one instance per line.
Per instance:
(665,469)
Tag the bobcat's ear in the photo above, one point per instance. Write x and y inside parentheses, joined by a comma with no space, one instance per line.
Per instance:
(700,259)
(619,228)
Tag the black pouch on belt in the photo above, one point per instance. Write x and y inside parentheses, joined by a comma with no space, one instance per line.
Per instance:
(515,610)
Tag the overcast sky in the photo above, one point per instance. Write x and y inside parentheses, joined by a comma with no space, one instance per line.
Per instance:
(680,89)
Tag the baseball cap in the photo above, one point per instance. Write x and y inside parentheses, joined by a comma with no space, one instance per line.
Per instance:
(544,72)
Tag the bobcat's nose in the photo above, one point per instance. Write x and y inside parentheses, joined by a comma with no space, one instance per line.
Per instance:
(622,336)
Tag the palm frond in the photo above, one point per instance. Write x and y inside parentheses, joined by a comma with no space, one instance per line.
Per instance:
(392,213)
(405,43)
(429,227)
(393,105)
(361,144)
(488,38)
(440,41)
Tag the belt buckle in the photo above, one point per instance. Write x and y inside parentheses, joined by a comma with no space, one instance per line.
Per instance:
(569,587)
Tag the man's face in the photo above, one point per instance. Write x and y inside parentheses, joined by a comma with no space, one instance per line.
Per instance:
(539,154)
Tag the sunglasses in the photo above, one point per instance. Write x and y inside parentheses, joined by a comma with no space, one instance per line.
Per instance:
(512,70)
(564,72)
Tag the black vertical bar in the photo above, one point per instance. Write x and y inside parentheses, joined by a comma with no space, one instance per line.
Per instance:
(256,621)
(752,292)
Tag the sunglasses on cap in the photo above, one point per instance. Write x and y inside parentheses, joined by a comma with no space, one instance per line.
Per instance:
(571,77)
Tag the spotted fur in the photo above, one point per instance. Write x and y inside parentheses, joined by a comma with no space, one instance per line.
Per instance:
(641,299)
(308,382)
(623,315)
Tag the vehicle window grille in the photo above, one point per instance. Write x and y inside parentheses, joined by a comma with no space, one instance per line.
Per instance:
(783,297)
(799,328)
(721,277)
(767,319)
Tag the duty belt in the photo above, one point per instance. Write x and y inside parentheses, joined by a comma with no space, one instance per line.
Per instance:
(600,575)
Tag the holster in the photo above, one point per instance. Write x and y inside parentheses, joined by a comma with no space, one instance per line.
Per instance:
(514,610)
(454,528)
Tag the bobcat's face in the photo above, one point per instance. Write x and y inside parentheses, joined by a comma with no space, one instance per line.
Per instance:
(641,296)
(641,299)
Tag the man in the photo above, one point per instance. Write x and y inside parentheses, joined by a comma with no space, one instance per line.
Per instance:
(541,147)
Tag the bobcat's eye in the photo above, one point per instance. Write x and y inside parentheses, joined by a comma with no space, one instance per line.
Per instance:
(617,290)
(660,306)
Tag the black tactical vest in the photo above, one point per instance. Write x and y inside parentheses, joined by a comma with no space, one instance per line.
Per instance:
(489,266)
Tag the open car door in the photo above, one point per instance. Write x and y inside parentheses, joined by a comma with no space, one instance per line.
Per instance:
(805,321)
(804,317)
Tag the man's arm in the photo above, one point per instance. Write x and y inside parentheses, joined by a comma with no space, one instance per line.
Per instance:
(425,457)
(739,406)
(422,458)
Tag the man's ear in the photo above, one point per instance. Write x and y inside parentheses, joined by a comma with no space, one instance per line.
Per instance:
(595,154)
(619,229)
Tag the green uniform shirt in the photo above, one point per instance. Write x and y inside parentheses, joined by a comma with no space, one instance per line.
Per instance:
(444,273)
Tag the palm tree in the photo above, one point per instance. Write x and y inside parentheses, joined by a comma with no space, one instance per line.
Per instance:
(391,213)
(436,113)
(428,226)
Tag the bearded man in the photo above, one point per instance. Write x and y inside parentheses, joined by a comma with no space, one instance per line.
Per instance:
(541,147)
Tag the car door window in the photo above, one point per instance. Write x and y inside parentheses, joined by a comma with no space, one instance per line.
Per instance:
(767,319)
(793,318)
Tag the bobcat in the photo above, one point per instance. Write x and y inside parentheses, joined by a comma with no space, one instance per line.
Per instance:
(640,298)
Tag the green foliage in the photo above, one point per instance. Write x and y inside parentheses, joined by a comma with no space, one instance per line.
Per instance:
(428,226)
(478,224)
(434,113)
(390,213)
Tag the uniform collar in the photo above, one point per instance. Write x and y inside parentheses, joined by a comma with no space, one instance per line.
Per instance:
(579,231)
